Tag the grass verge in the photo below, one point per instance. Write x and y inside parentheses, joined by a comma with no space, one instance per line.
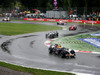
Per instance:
(31,70)
(14,29)
(88,24)
(73,42)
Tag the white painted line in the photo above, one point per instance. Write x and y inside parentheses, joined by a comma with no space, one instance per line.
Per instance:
(77,73)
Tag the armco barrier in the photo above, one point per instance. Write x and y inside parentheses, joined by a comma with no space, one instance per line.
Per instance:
(55,20)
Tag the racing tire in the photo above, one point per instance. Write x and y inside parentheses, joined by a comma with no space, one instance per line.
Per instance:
(69,29)
(75,28)
(62,55)
(50,51)
(46,36)
(57,23)
(62,24)
(3,20)
(72,56)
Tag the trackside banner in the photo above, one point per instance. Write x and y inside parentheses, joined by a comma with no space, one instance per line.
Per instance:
(55,20)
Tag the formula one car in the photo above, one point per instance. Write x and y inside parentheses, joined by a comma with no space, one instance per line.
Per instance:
(61,22)
(52,35)
(73,27)
(6,19)
(61,51)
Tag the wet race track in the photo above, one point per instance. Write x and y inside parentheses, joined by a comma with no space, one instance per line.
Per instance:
(29,50)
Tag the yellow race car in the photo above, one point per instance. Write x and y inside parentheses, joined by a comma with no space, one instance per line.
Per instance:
(61,51)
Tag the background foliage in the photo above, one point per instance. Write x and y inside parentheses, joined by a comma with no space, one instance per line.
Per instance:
(49,3)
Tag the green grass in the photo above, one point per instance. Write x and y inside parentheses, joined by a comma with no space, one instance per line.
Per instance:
(31,70)
(73,42)
(84,24)
(15,29)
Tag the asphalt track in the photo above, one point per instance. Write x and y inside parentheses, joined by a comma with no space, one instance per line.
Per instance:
(29,50)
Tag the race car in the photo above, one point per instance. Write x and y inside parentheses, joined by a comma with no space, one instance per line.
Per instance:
(73,27)
(61,51)
(61,22)
(6,19)
(52,35)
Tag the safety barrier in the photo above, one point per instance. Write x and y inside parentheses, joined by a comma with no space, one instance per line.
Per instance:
(55,20)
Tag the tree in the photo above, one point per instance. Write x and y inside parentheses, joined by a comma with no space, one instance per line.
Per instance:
(68,4)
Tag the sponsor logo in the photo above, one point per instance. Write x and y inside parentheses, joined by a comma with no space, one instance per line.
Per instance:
(95,34)
(91,22)
(30,19)
(93,41)
(40,19)
(78,21)
(51,19)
